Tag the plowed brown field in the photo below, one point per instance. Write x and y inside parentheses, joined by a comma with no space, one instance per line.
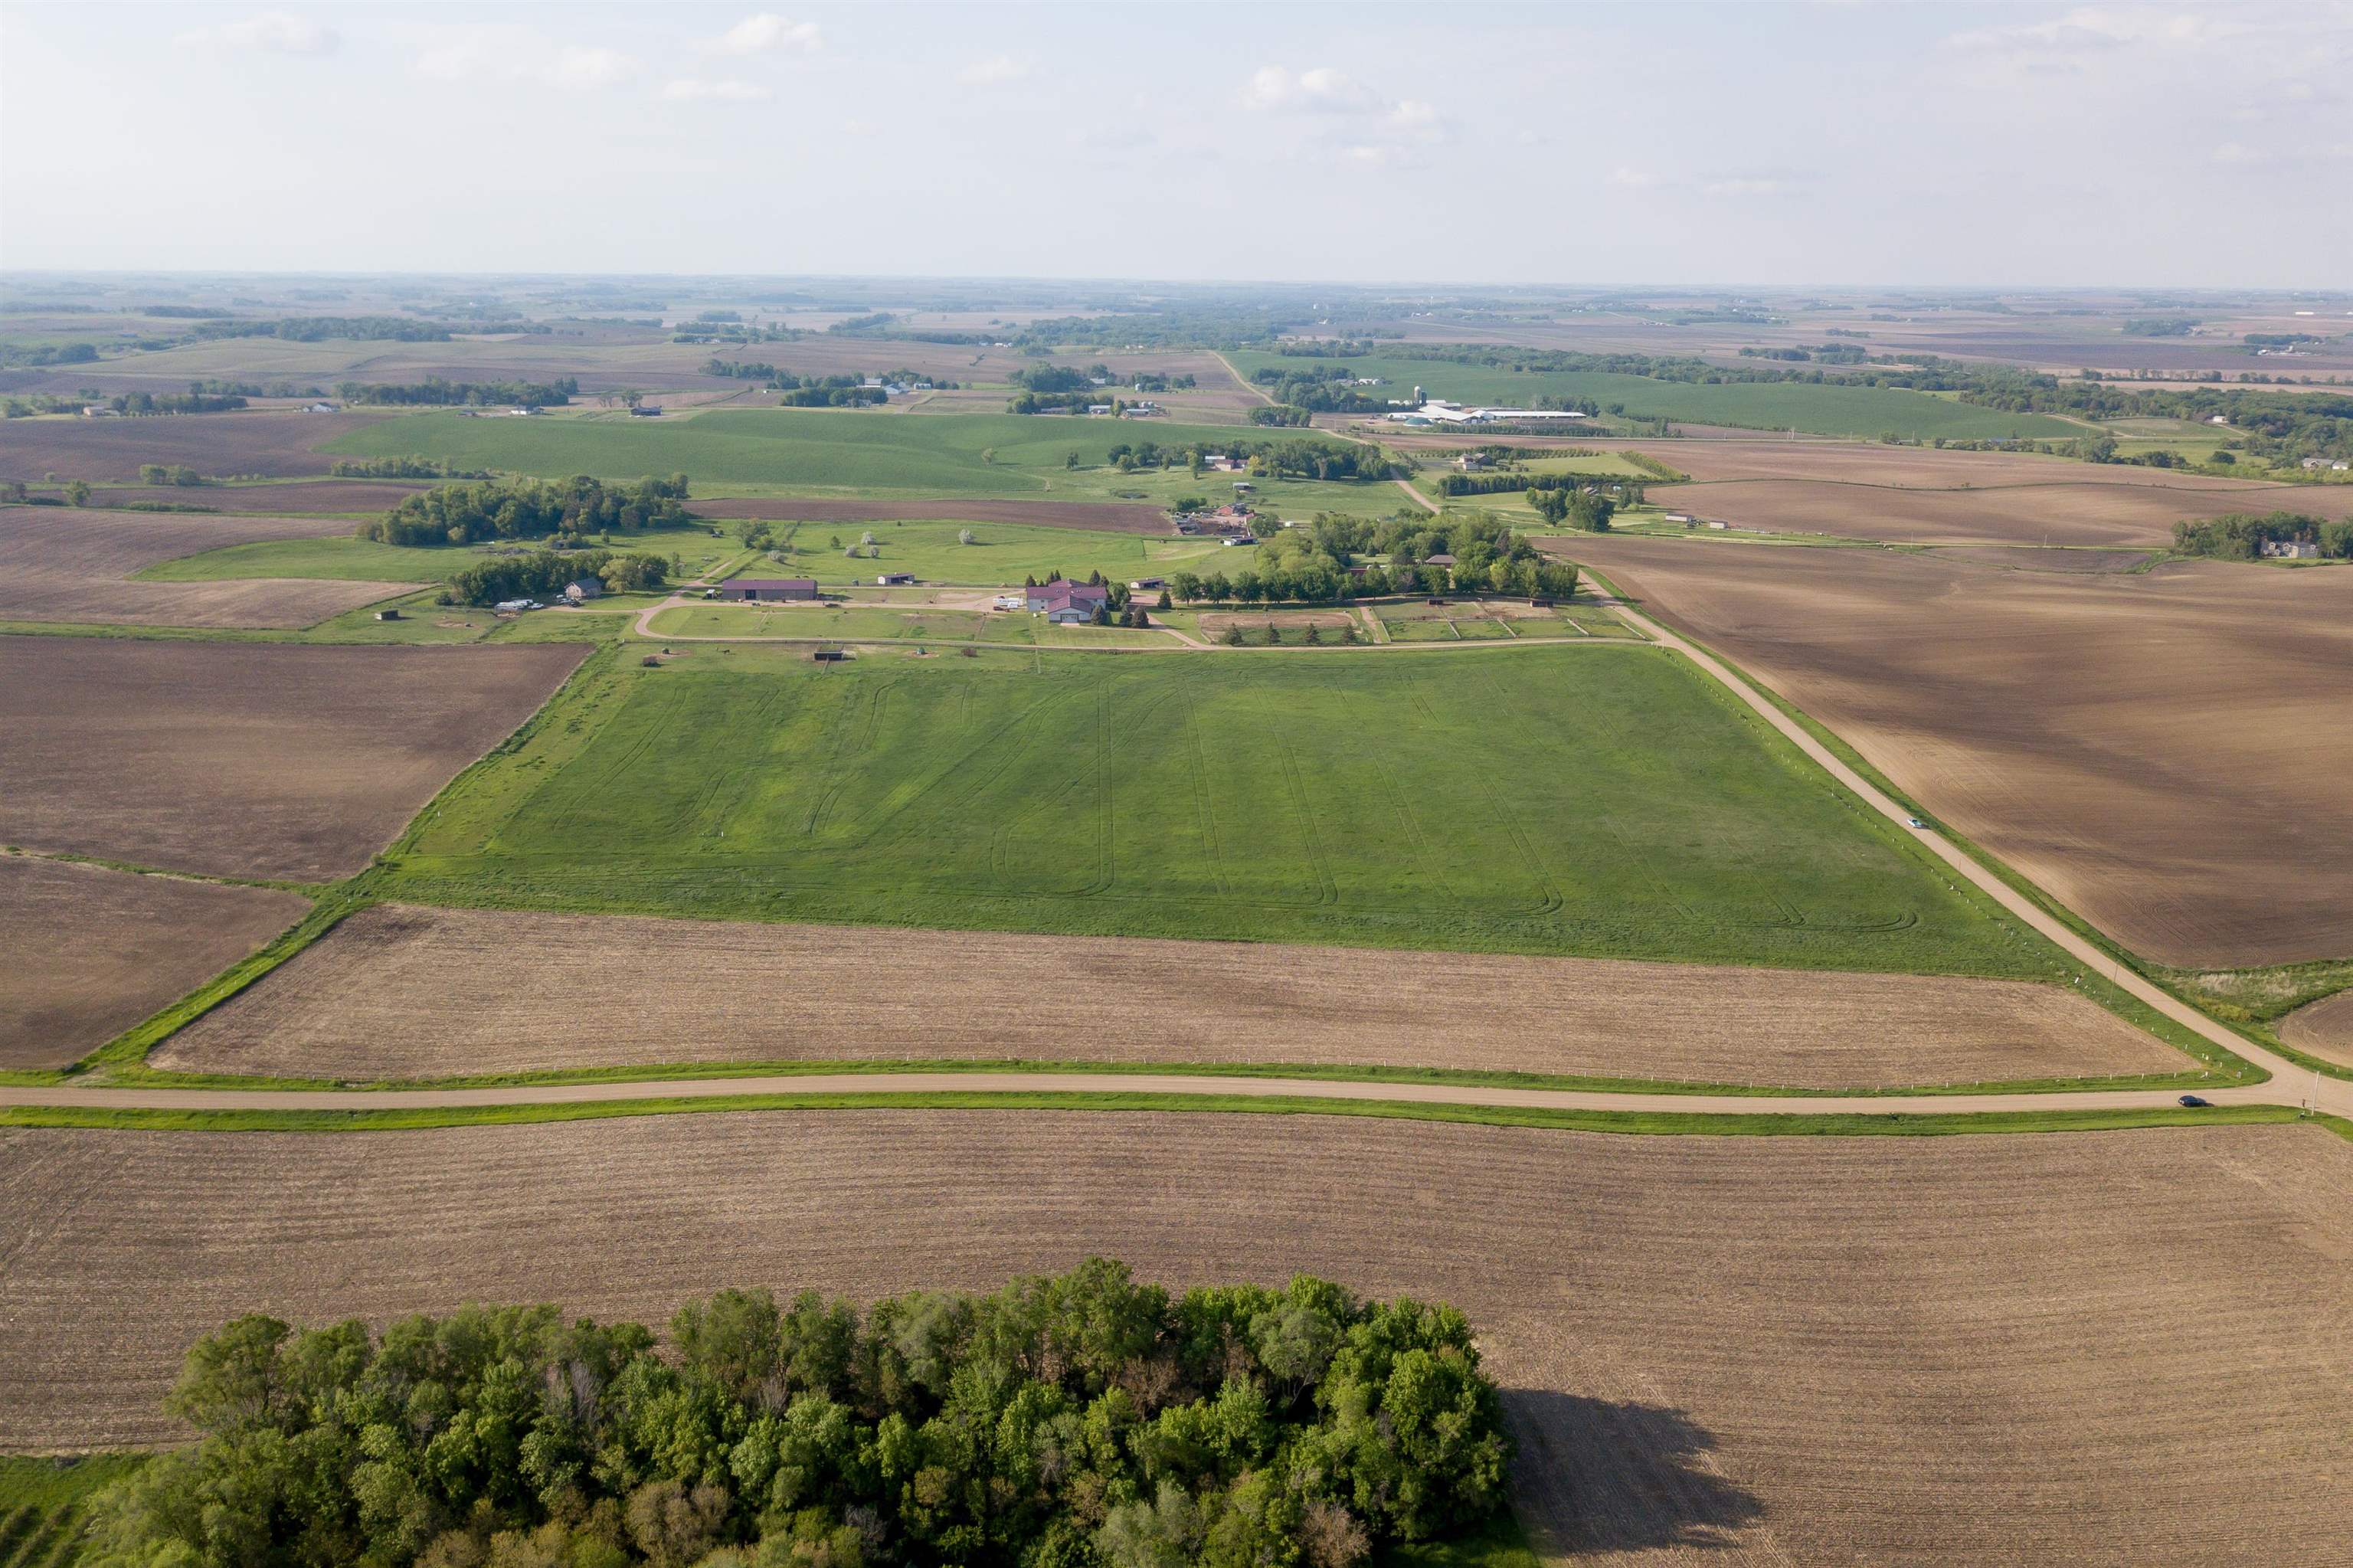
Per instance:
(1868,463)
(246,759)
(399,991)
(278,445)
(2093,514)
(2166,752)
(92,951)
(70,564)
(2325,1028)
(2123,1348)
(1114,516)
(361,496)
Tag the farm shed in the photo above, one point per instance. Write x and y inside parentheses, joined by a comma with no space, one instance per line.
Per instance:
(755,589)
(894,580)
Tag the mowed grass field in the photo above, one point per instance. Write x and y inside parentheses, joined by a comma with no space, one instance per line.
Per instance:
(821,451)
(1606,801)
(1001,553)
(1821,409)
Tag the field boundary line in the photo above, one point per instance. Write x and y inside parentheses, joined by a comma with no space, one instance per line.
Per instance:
(1666,1122)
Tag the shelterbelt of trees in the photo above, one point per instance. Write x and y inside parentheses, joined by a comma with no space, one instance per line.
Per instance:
(1312,564)
(2240,535)
(545,573)
(531,509)
(1084,1421)
(435,389)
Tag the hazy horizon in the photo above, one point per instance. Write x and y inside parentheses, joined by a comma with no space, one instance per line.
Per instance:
(1799,145)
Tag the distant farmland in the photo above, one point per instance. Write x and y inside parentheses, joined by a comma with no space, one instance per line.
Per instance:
(1824,409)
(815,450)
(1606,801)
(75,564)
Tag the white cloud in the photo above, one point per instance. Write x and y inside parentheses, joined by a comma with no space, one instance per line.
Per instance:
(1358,123)
(590,68)
(993,68)
(1750,187)
(1632,179)
(505,52)
(732,90)
(768,33)
(275,32)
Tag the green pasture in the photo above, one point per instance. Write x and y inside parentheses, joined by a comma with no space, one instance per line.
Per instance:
(828,451)
(1826,408)
(1539,799)
(1001,553)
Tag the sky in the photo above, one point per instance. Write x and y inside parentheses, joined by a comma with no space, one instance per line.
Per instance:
(1821,143)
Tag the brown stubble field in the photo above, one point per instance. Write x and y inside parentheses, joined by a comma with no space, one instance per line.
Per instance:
(258,759)
(72,564)
(2164,751)
(276,445)
(92,951)
(2101,515)
(2122,1347)
(397,991)
(2325,1028)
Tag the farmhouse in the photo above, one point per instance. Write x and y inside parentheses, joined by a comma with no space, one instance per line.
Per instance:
(583,589)
(1470,462)
(1066,603)
(752,589)
(320,408)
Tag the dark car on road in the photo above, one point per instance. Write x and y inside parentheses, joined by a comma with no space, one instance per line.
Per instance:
(2195,1101)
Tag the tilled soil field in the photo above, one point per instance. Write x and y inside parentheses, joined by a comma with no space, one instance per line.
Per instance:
(70,564)
(363,497)
(276,445)
(2120,1348)
(1929,467)
(257,759)
(2325,1028)
(2104,515)
(92,951)
(397,991)
(1114,516)
(2166,751)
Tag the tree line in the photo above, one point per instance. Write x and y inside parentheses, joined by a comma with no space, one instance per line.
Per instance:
(1080,1420)
(2240,535)
(545,573)
(531,509)
(401,467)
(315,329)
(435,389)
(137,403)
(1317,564)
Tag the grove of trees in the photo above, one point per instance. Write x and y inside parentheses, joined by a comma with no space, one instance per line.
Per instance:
(543,573)
(1082,1421)
(1312,564)
(480,393)
(2240,536)
(531,509)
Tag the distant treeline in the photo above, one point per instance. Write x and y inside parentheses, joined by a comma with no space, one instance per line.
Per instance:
(188,312)
(1577,497)
(435,389)
(172,402)
(401,467)
(2240,536)
(1084,1421)
(545,573)
(315,329)
(466,513)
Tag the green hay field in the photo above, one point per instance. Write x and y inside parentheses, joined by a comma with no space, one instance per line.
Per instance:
(822,451)
(1821,409)
(1591,800)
